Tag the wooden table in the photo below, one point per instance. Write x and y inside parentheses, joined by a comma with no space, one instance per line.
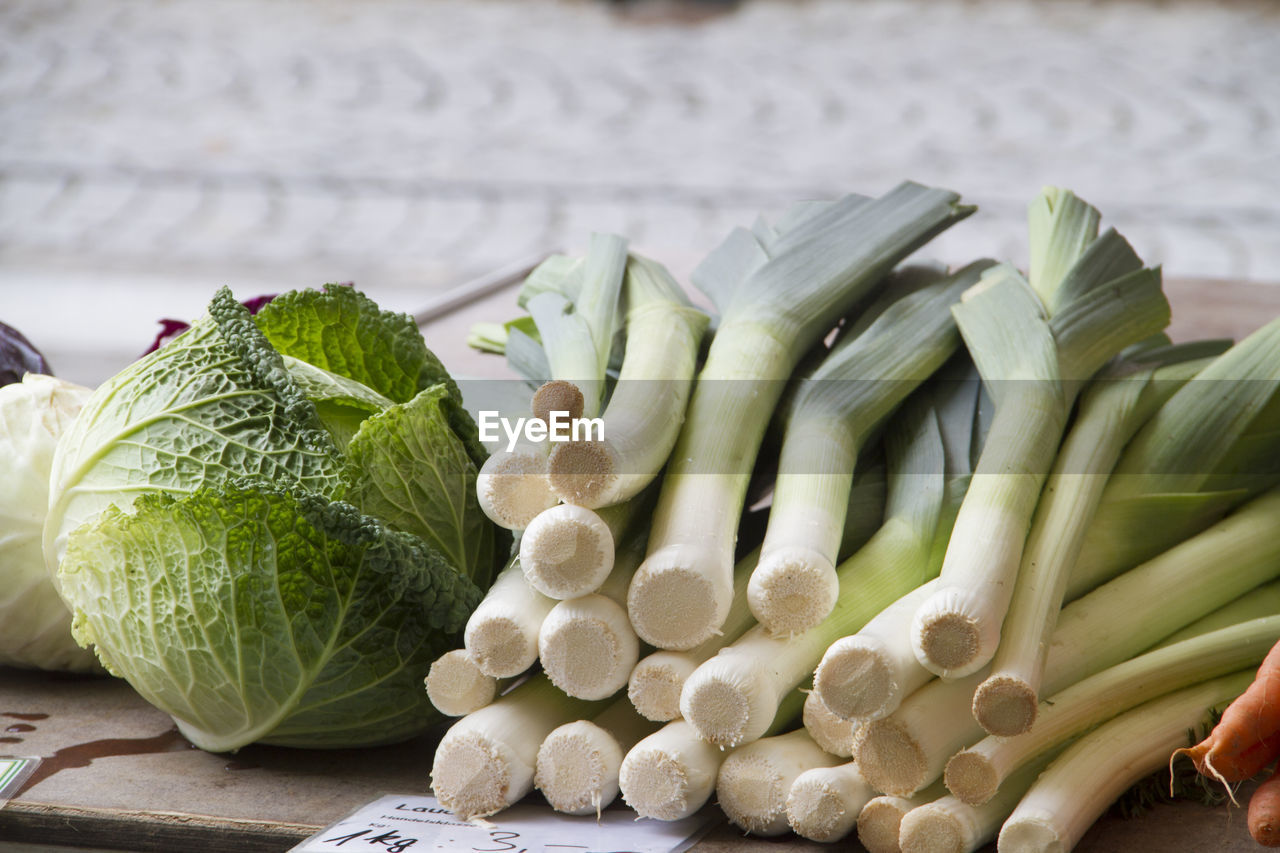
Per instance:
(117,774)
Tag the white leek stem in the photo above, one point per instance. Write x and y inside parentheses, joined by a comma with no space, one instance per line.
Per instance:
(795,585)
(578,763)
(512,486)
(656,681)
(456,686)
(975,774)
(732,698)
(754,781)
(643,418)
(568,550)
(588,647)
(557,395)
(866,675)
(957,630)
(950,825)
(671,773)
(486,761)
(824,802)
(502,632)
(1090,774)
(834,734)
(880,820)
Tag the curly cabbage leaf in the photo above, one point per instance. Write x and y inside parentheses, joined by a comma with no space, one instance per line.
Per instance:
(345,332)
(409,438)
(216,403)
(253,613)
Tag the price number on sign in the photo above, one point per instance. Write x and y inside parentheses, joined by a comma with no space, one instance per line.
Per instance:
(389,840)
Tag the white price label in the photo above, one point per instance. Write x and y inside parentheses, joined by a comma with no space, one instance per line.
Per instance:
(13,772)
(415,824)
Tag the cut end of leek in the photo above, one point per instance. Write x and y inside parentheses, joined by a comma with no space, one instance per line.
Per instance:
(1005,706)
(816,809)
(656,783)
(933,830)
(834,734)
(792,590)
(558,395)
(587,647)
(890,758)
(728,707)
(971,778)
(655,683)
(512,488)
(577,769)
(854,680)
(676,599)
(566,551)
(471,776)
(501,647)
(879,823)
(752,792)
(582,472)
(1029,835)
(456,686)
(949,643)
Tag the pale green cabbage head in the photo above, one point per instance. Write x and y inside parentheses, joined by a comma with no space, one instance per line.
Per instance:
(269,525)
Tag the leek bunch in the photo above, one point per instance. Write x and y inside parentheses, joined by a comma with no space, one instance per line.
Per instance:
(973,481)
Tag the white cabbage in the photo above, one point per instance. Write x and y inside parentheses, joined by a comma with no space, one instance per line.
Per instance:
(35,624)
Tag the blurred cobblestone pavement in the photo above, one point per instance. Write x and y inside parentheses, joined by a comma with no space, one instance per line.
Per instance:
(152,149)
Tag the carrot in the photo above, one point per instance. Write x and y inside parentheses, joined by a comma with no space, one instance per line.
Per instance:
(1264,812)
(1247,738)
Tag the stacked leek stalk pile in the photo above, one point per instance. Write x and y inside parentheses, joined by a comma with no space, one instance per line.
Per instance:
(929,555)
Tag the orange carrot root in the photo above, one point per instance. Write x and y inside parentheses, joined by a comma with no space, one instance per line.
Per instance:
(1264,812)
(1247,738)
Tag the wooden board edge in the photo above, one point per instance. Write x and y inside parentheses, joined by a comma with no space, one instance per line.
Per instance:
(146,832)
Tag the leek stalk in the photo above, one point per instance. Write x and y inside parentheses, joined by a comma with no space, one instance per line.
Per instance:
(754,781)
(486,760)
(644,414)
(1111,411)
(672,773)
(502,632)
(905,751)
(578,763)
(975,774)
(856,387)
(1090,774)
(1034,343)
(777,295)
(731,698)
(824,802)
